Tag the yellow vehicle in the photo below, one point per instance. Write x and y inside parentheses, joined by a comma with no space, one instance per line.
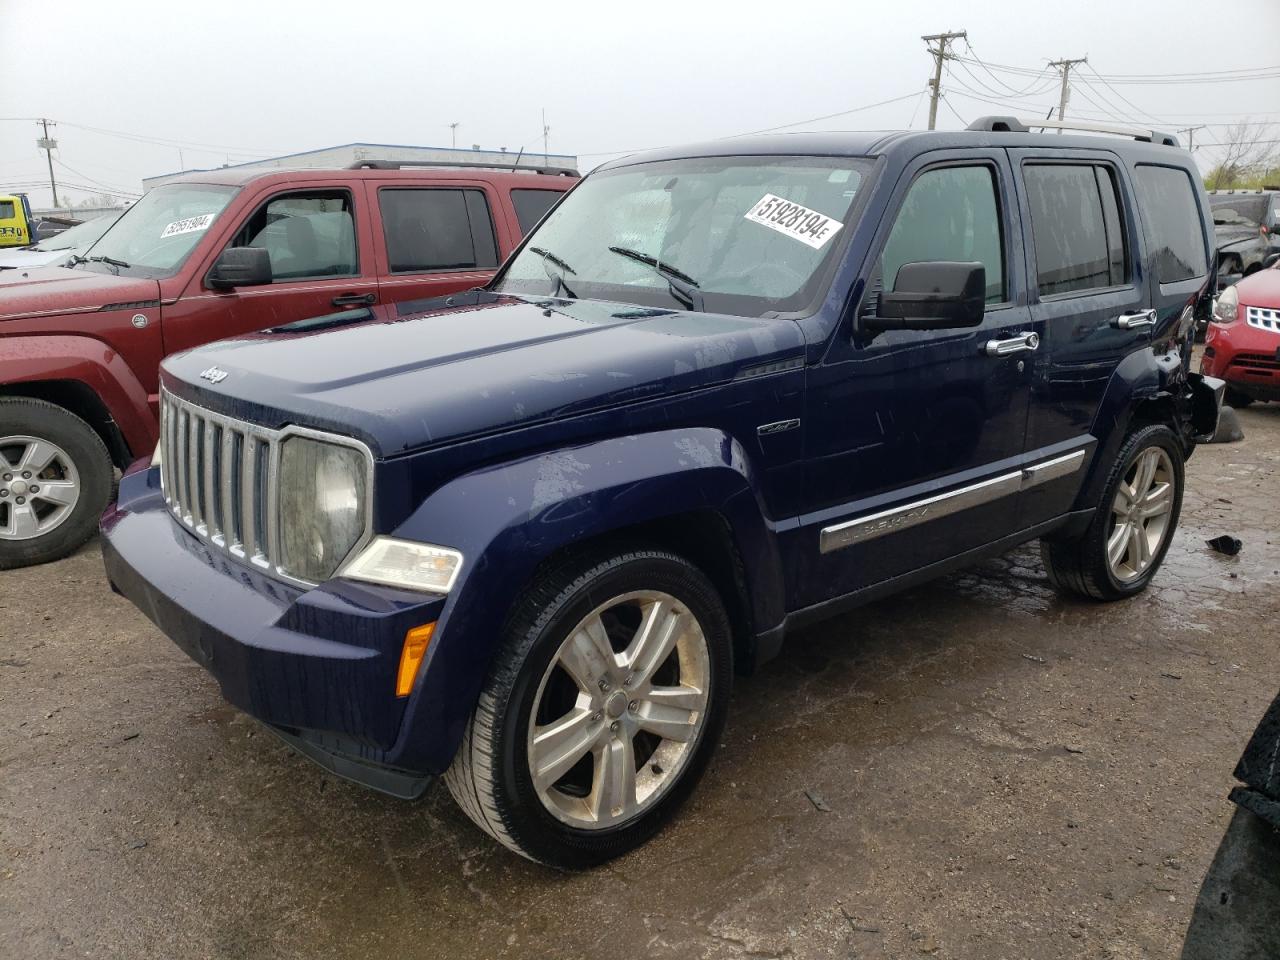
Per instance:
(17,228)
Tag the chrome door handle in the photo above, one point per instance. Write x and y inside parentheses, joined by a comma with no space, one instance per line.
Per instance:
(1135,321)
(1022,343)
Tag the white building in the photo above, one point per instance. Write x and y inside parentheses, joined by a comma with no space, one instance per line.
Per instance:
(337,158)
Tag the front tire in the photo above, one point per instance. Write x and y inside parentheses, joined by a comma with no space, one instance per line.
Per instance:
(1129,535)
(1234,398)
(601,712)
(56,478)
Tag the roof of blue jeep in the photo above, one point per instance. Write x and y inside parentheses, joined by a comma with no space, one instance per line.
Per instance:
(902,143)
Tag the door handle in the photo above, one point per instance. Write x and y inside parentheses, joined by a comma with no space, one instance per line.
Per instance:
(355,300)
(1135,321)
(1022,343)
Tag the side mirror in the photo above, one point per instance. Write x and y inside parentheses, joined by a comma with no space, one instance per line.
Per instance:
(937,295)
(1271,261)
(241,267)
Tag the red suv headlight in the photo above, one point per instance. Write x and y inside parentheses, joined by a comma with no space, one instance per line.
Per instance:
(1227,308)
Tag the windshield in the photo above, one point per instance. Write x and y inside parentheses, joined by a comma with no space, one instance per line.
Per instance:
(81,235)
(156,235)
(748,236)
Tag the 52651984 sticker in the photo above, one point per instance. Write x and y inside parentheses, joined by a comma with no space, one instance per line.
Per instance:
(796,221)
(189,225)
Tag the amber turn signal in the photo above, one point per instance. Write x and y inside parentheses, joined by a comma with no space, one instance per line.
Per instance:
(415,648)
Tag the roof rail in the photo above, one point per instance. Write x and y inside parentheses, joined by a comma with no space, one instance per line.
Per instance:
(462,164)
(1015,125)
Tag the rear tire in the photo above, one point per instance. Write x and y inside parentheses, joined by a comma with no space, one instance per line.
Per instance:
(619,721)
(56,478)
(1130,533)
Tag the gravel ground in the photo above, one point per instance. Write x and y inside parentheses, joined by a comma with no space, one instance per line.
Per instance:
(975,769)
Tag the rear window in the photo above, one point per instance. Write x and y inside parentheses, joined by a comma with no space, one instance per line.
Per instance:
(1076,227)
(531,205)
(437,229)
(6,209)
(1172,220)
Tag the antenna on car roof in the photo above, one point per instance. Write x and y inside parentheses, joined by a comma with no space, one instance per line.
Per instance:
(518,156)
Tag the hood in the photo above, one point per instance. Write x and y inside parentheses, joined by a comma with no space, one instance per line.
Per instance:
(492,364)
(44,291)
(32,257)
(1261,289)
(1228,235)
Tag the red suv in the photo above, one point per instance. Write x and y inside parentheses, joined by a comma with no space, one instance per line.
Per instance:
(1242,345)
(205,257)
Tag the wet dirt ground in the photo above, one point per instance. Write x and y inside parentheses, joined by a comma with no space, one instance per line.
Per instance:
(975,769)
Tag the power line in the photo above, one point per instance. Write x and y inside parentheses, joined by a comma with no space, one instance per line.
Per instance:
(752,133)
(978,60)
(829,116)
(963,121)
(103,186)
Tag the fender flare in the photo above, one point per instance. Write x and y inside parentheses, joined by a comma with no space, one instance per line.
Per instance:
(1141,377)
(90,362)
(508,518)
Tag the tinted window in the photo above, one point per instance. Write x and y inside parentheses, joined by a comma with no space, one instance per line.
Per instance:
(948,214)
(432,229)
(6,209)
(1172,220)
(531,205)
(308,235)
(1075,226)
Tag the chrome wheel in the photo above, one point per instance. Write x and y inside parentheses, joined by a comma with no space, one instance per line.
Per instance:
(39,487)
(1140,514)
(619,709)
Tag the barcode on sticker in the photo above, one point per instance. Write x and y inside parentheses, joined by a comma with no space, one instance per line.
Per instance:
(189,225)
(794,220)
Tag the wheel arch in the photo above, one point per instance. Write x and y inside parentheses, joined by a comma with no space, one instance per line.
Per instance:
(76,397)
(1145,388)
(88,378)
(688,491)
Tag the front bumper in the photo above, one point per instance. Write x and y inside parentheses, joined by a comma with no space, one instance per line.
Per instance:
(318,666)
(1246,357)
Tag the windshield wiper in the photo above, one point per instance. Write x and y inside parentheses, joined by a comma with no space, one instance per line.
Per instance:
(556,276)
(110,260)
(683,287)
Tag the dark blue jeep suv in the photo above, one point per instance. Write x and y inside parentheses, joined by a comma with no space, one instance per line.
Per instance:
(522,537)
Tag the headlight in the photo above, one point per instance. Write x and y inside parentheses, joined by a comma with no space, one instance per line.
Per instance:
(323,493)
(1227,306)
(405,563)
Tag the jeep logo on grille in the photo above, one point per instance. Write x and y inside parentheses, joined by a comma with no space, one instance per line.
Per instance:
(214,375)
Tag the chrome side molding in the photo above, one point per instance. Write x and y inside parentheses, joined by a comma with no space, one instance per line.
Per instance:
(851,532)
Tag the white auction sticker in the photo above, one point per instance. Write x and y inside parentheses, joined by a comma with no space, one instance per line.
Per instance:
(189,225)
(796,221)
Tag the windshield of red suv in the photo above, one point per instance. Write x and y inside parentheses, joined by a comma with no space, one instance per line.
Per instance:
(747,236)
(154,237)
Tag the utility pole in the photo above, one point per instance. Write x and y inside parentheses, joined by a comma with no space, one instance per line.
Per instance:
(546,137)
(48,146)
(939,54)
(453,132)
(1191,136)
(1065,66)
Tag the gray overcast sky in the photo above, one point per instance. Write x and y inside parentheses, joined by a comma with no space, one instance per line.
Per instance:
(237,80)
